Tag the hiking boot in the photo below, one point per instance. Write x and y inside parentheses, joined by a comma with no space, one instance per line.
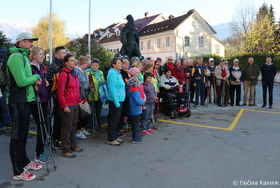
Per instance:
(32,166)
(80,135)
(78,149)
(25,176)
(68,155)
(83,131)
(113,143)
(42,159)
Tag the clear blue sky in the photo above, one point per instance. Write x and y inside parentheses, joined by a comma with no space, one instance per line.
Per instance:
(105,12)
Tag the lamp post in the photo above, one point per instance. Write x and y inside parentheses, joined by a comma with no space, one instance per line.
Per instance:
(50,31)
(89,26)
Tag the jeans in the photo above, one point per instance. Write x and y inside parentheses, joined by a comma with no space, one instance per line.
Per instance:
(146,116)
(135,121)
(199,91)
(20,113)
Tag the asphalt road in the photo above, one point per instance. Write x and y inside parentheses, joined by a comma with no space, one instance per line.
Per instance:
(215,147)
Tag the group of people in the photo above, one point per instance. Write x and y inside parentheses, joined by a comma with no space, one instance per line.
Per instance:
(222,83)
(132,86)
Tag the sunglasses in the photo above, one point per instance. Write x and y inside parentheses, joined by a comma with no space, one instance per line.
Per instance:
(169,59)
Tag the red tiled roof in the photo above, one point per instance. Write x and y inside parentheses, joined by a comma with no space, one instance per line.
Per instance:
(166,25)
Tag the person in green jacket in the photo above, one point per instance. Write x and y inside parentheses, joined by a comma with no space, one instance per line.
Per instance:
(96,79)
(20,95)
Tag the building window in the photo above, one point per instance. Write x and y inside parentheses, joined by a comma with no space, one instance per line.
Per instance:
(194,24)
(158,42)
(141,45)
(167,43)
(149,44)
(200,41)
(187,41)
(118,33)
(108,35)
(218,49)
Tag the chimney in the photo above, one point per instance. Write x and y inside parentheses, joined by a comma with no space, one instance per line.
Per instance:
(170,17)
(146,14)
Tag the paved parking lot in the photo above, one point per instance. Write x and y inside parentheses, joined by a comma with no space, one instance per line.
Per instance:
(215,147)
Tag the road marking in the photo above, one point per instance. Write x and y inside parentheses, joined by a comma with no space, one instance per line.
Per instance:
(197,125)
(236,119)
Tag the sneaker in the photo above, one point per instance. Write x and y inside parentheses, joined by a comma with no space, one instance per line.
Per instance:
(244,104)
(25,176)
(83,131)
(136,141)
(32,166)
(113,143)
(68,155)
(139,135)
(120,140)
(145,133)
(42,159)
(5,128)
(120,135)
(154,127)
(151,131)
(80,135)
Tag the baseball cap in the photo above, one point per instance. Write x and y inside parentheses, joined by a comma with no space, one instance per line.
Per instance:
(211,59)
(158,58)
(141,58)
(235,60)
(23,36)
(222,60)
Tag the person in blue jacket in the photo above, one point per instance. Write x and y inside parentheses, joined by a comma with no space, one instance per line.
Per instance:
(135,108)
(116,96)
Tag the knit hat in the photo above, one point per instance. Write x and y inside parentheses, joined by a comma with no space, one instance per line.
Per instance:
(133,70)
(134,82)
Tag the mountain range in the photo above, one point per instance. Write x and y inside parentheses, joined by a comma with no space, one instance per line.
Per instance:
(12,31)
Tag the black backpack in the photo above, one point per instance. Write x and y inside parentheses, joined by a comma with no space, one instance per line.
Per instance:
(4,55)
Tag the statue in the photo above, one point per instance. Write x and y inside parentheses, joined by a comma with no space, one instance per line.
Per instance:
(130,39)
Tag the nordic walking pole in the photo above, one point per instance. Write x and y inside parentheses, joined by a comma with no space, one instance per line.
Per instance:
(223,93)
(42,123)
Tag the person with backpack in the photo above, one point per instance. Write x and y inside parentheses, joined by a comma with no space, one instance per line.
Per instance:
(37,57)
(68,94)
(96,79)
(55,67)
(20,95)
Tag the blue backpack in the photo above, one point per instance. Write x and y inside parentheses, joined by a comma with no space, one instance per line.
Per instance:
(103,93)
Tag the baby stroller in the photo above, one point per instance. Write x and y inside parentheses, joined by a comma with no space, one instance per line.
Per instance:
(180,102)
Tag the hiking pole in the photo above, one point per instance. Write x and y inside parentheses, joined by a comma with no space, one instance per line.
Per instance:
(43,127)
(223,94)
(254,103)
(214,84)
(188,92)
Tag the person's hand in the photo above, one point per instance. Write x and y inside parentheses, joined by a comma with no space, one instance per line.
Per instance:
(252,77)
(81,104)
(187,74)
(67,110)
(47,83)
(183,83)
(38,82)
(194,84)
